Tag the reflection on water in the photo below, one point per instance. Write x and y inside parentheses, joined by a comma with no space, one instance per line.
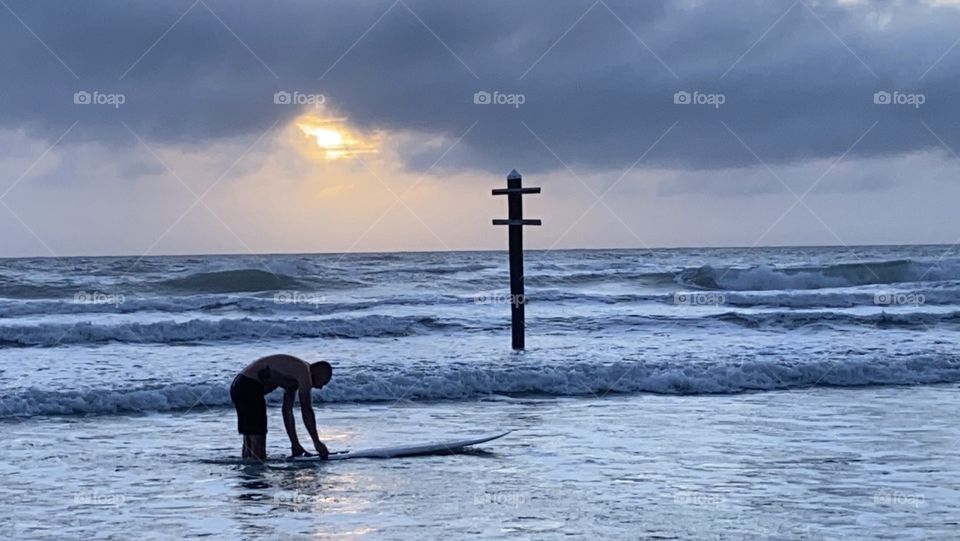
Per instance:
(305,489)
(251,479)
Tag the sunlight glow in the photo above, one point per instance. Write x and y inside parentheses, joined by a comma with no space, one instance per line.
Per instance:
(334,138)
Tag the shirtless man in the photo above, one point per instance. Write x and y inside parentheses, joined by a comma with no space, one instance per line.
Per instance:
(258,379)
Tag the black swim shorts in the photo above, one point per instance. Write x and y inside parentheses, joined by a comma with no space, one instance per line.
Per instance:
(247,395)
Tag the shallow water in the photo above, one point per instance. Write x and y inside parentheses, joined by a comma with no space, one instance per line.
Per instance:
(872,463)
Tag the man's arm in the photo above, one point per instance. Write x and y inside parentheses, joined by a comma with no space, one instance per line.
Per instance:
(310,421)
(273,379)
(290,424)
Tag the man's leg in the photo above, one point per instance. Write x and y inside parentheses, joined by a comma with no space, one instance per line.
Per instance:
(257,446)
(237,396)
(258,437)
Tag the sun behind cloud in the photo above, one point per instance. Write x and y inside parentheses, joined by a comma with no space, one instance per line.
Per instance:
(335,139)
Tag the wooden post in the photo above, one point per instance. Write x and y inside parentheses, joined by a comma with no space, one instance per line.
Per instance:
(515,223)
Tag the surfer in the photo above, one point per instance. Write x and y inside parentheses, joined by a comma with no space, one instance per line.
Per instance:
(258,379)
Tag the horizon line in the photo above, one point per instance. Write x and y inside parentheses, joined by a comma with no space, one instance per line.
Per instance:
(475,250)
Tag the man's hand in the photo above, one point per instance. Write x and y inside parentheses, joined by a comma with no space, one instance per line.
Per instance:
(298,450)
(321,450)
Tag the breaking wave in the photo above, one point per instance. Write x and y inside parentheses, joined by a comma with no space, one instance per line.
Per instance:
(765,278)
(476,382)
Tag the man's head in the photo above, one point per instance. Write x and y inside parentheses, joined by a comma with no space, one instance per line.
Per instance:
(320,373)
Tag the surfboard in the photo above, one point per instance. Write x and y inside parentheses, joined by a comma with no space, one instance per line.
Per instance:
(423,449)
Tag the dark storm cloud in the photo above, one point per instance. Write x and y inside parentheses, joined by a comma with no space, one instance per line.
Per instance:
(598,79)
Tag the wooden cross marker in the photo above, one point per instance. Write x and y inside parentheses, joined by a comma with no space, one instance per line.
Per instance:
(515,222)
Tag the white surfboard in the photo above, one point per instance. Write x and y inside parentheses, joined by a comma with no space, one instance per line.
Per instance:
(443,448)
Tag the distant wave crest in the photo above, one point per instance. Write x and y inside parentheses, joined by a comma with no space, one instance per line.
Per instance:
(198,330)
(228,281)
(239,329)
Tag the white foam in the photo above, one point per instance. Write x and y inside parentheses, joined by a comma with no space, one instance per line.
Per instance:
(460,382)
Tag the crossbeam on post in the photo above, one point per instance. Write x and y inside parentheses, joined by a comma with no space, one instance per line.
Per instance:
(508,191)
(515,222)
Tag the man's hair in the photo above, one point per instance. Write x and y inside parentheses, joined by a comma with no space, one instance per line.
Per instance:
(321,370)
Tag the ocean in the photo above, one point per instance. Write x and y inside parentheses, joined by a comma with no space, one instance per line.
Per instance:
(709,393)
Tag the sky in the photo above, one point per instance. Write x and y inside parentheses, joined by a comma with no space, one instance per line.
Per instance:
(215,126)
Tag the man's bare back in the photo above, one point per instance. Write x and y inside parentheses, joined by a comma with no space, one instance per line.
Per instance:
(297,378)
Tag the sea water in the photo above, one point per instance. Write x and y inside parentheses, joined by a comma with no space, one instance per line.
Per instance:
(774,393)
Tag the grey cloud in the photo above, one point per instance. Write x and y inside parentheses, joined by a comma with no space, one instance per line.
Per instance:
(921,171)
(598,98)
